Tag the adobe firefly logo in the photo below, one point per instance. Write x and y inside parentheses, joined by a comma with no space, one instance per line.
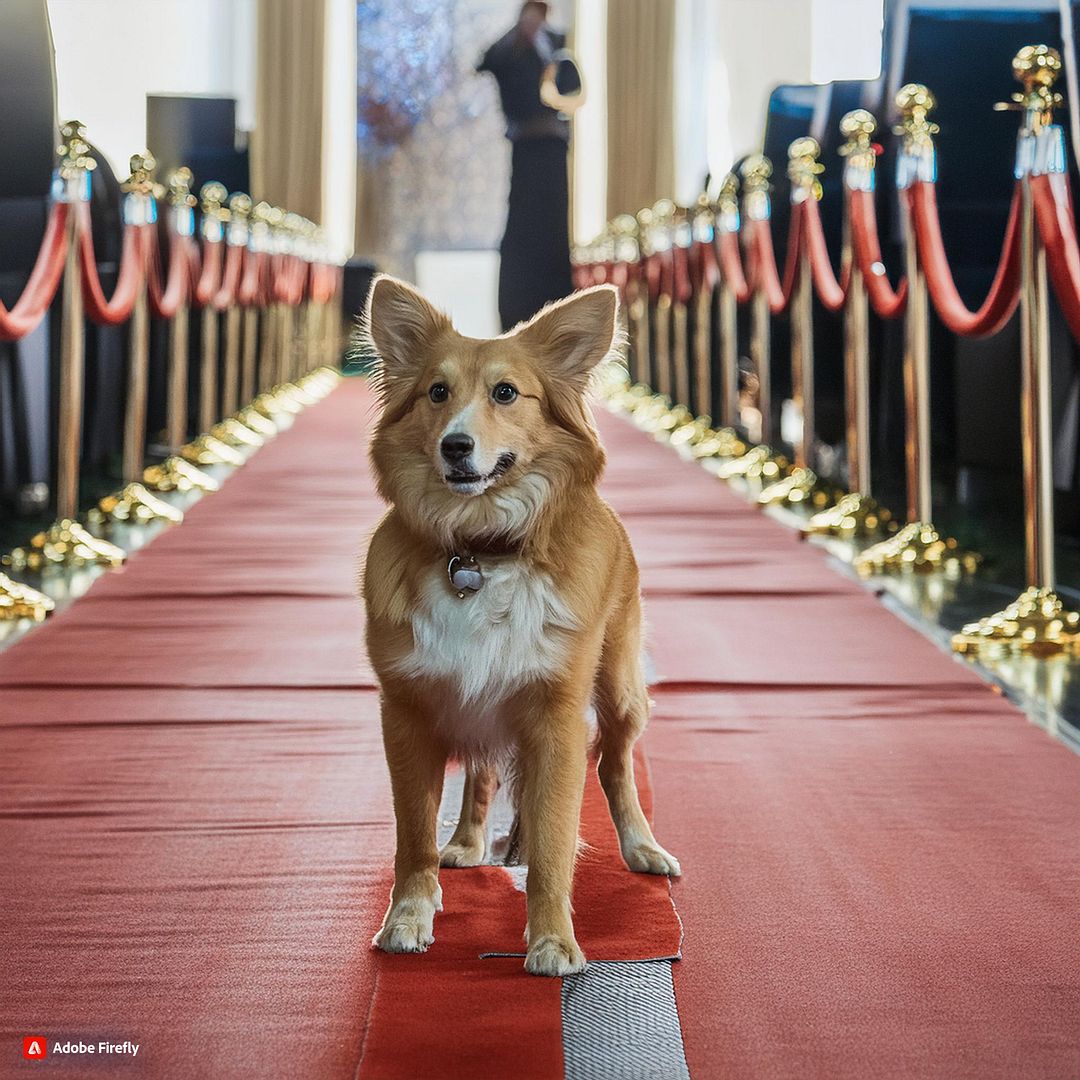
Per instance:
(34,1048)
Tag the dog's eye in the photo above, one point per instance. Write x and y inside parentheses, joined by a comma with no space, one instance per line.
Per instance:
(503,393)
(439,392)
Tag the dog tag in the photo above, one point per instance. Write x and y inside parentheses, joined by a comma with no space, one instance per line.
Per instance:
(464,575)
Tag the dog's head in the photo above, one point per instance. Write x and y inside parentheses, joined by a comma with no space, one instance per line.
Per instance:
(477,436)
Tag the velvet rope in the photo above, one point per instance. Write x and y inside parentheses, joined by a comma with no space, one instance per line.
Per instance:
(887,302)
(652,274)
(41,286)
(682,288)
(1000,302)
(831,292)
(703,269)
(165,300)
(763,271)
(230,278)
(129,279)
(731,265)
(206,267)
(1056,222)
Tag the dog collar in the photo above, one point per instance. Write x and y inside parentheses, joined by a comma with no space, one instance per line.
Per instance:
(464,574)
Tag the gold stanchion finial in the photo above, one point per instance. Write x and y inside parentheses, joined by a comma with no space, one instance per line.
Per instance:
(858,128)
(212,196)
(915,103)
(141,179)
(804,167)
(180,181)
(74,150)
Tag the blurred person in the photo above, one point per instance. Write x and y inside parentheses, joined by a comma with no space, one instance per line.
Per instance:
(535,249)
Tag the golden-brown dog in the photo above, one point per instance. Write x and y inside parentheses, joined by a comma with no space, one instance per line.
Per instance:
(502,600)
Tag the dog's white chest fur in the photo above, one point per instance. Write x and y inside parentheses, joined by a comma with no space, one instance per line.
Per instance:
(488,644)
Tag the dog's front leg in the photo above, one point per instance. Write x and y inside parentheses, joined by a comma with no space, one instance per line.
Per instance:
(552,761)
(417,766)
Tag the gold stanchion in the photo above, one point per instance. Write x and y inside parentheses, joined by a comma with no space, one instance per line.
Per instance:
(1037,621)
(857,513)
(758,465)
(174,473)
(703,226)
(639,304)
(69,543)
(134,502)
(800,486)
(660,244)
(725,441)
(680,330)
(918,546)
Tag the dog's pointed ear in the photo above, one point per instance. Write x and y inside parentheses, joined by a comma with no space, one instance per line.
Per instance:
(399,323)
(573,335)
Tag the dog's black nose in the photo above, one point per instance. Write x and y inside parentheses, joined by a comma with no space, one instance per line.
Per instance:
(456,446)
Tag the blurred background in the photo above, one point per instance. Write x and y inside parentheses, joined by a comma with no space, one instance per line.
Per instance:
(370,118)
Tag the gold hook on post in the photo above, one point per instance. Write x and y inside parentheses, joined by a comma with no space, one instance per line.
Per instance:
(1037,621)
(918,546)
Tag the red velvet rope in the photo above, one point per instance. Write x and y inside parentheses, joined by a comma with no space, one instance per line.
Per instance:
(252,289)
(886,301)
(704,272)
(165,300)
(1004,293)
(682,288)
(831,292)
(763,271)
(230,278)
(43,282)
(731,265)
(207,272)
(1056,223)
(129,280)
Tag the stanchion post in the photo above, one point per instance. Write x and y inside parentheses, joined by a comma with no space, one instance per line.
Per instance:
(660,243)
(1037,621)
(72,185)
(214,217)
(174,473)
(703,226)
(236,236)
(857,513)
(644,372)
(800,486)
(681,239)
(134,502)
(727,220)
(756,171)
(918,546)
(68,542)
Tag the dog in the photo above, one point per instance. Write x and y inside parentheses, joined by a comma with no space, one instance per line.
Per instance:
(502,601)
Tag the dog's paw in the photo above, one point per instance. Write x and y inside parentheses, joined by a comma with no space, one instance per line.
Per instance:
(648,857)
(457,853)
(550,955)
(408,927)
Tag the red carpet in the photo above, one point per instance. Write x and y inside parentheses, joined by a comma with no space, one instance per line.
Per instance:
(881,857)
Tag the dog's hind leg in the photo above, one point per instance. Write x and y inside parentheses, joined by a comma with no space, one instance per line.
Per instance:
(622,708)
(468,845)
